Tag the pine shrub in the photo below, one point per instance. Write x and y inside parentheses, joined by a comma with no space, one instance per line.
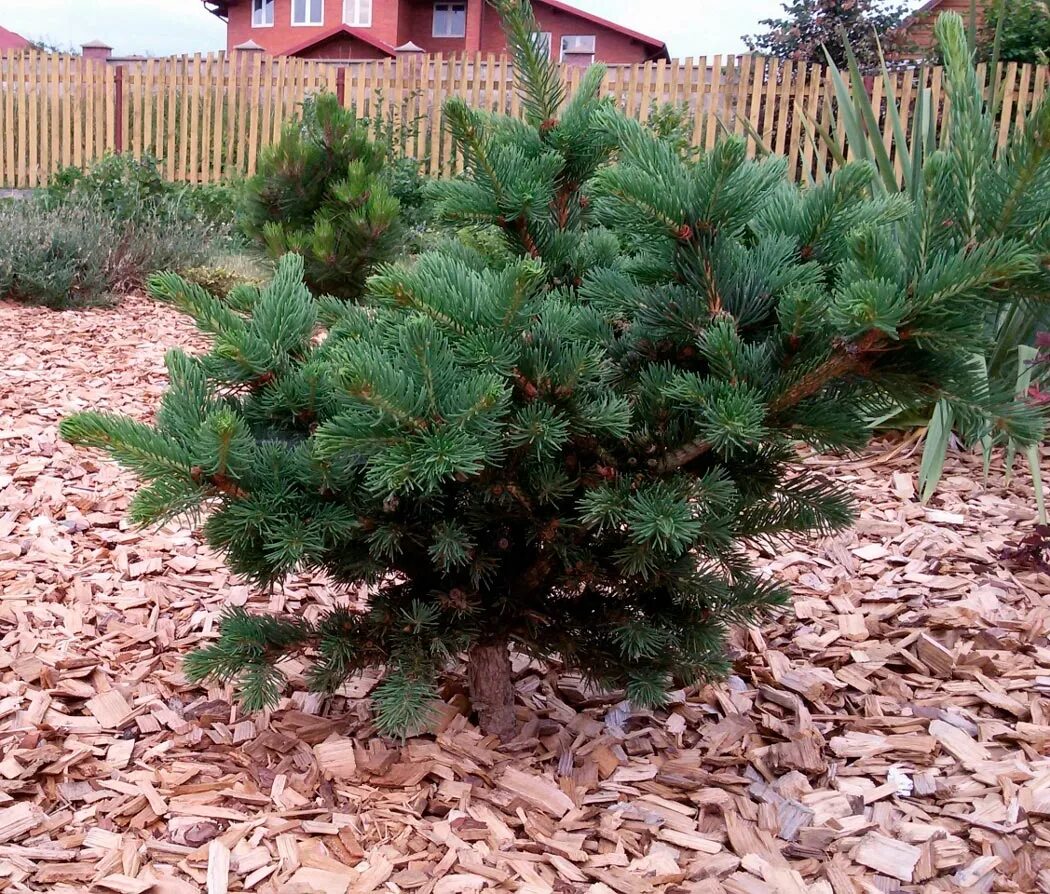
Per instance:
(562,434)
(319,192)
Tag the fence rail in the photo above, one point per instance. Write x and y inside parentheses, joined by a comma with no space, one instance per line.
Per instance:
(207,118)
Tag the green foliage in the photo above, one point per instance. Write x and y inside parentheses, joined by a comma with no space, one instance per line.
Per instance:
(77,253)
(674,124)
(966,195)
(126,188)
(808,28)
(222,279)
(101,231)
(320,192)
(49,258)
(1016,31)
(566,429)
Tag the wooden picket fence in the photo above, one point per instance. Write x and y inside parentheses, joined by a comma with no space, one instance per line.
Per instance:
(207,118)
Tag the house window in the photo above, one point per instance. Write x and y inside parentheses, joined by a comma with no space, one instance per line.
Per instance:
(357,13)
(577,49)
(262,13)
(307,12)
(543,42)
(450,19)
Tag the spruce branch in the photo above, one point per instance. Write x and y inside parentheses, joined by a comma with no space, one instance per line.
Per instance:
(542,90)
(847,358)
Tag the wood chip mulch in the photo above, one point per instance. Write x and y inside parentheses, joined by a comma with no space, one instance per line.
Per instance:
(889,734)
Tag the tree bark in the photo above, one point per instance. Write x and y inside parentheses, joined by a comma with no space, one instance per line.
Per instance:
(491,688)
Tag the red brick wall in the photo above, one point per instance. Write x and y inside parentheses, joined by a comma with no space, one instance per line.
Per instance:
(283,35)
(609,45)
(417,25)
(396,22)
(919,28)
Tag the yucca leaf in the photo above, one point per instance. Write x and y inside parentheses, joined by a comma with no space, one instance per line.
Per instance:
(936,449)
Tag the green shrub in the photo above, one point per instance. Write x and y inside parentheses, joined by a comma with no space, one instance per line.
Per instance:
(104,229)
(119,185)
(319,192)
(127,188)
(79,251)
(1024,34)
(219,279)
(408,185)
(55,258)
(983,194)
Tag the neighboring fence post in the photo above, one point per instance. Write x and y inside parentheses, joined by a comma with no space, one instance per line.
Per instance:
(340,86)
(118,110)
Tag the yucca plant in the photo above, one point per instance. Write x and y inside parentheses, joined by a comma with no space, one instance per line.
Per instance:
(985,193)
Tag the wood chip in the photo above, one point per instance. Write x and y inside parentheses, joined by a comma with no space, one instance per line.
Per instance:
(888,856)
(336,758)
(538,791)
(902,707)
(110,709)
(957,743)
(16,821)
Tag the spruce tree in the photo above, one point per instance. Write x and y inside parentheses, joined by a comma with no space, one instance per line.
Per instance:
(320,192)
(561,431)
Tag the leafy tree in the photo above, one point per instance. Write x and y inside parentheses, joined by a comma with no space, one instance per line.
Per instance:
(808,26)
(320,192)
(561,432)
(46,44)
(1024,35)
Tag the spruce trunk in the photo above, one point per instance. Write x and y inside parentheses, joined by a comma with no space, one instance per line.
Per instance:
(491,687)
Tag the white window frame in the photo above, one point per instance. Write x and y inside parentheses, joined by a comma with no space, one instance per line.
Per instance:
(308,23)
(353,13)
(566,37)
(545,37)
(259,8)
(449,6)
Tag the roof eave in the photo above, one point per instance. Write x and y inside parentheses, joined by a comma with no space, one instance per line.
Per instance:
(219,8)
(658,46)
(335,32)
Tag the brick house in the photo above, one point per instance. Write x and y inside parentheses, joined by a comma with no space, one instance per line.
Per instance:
(11,41)
(918,26)
(373,29)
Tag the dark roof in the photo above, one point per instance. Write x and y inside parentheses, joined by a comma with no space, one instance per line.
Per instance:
(358,33)
(219,8)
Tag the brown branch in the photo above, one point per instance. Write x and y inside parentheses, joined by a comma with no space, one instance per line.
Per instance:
(849,358)
(526,238)
(714,299)
(220,482)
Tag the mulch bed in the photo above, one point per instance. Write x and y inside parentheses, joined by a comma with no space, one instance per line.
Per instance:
(891,733)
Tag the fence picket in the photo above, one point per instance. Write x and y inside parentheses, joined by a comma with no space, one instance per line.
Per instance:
(208,117)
